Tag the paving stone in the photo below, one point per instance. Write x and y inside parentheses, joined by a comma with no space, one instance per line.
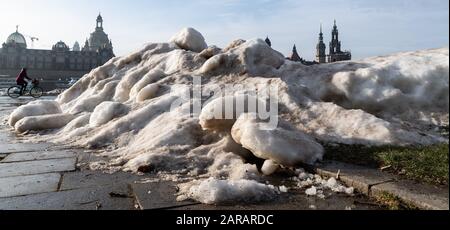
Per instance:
(80,199)
(6,136)
(25,185)
(420,195)
(158,195)
(36,167)
(32,156)
(23,147)
(86,179)
(360,178)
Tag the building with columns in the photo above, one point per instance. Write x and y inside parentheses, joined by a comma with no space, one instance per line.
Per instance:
(58,64)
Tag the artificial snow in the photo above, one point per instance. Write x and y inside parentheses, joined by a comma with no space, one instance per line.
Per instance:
(136,110)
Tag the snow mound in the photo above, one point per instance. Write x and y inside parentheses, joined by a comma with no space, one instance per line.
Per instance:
(213,191)
(253,57)
(182,110)
(105,112)
(44,122)
(190,39)
(34,108)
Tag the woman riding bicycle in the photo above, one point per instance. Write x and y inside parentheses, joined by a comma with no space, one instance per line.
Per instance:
(20,80)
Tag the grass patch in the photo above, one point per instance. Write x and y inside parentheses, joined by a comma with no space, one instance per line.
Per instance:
(428,164)
(393,202)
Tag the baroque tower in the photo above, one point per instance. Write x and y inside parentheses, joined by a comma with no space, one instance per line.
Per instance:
(335,44)
(321,49)
(336,54)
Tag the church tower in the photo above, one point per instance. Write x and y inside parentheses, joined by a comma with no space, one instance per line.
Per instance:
(99,22)
(335,44)
(294,56)
(336,54)
(320,49)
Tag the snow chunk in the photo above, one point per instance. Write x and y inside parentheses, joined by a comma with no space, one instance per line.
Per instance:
(34,108)
(105,112)
(283,189)
(213,191)
(210,52)
(254,57)
(269,167)
(43,122)
(258,58)
(149,78)
(311,191)
(221,113)
(148,92)
(190,39)
(284,145)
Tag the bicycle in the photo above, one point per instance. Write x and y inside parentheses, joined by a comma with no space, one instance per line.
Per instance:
(34,90)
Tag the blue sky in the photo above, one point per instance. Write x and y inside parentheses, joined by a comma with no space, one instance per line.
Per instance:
(367,27)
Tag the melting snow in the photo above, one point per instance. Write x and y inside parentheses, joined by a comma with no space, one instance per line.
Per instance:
(136,106)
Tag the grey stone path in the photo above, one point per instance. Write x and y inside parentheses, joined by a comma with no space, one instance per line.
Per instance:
(373,182)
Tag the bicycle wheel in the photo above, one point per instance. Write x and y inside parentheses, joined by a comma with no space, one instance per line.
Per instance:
(14,92)
(36,92)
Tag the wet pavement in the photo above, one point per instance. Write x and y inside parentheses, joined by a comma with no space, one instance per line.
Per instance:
(48,177)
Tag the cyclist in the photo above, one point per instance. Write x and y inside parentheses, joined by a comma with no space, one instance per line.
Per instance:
(20,80)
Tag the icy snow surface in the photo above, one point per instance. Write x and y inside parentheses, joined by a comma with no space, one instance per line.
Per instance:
(135,107)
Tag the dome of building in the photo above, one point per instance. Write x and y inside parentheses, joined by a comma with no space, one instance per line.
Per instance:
(99,39)
(61,46)
(17,38)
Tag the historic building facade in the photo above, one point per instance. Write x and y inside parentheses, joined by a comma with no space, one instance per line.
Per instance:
(60,62)
(335,52)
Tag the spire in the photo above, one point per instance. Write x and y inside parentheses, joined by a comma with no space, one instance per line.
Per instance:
(17,28)
(295,57)
(99,21)
(268,41)
(321,33)
(320,48)
(99,17)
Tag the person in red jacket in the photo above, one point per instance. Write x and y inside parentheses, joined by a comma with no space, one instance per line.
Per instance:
(20,80)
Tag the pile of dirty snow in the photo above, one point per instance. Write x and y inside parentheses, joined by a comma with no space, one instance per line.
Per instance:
(225,119)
